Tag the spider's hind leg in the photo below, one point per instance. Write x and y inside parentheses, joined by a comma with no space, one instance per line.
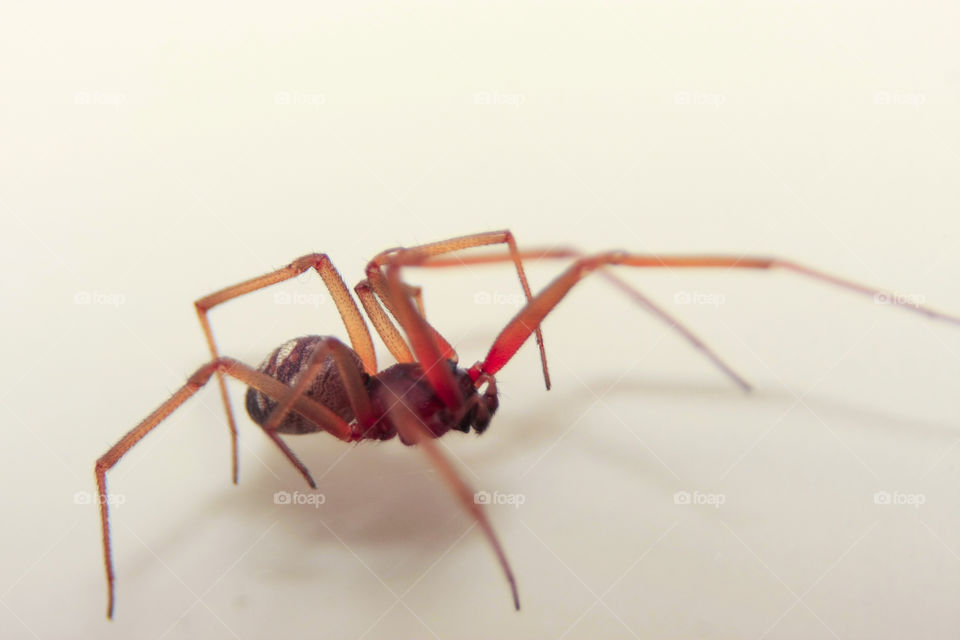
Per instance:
(278,391)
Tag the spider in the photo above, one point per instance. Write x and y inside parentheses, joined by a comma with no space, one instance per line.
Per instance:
(317,383)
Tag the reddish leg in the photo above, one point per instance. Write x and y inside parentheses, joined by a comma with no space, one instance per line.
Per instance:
(638,297)
(520,327)
(422,339)
(415,255)
(276,390)
(428,345)
(413,431)
(352,319)
(384,326)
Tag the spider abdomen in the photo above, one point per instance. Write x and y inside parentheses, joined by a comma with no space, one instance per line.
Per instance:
(286,364)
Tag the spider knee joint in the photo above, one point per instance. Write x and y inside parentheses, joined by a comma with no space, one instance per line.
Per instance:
(202,375)
(313,260)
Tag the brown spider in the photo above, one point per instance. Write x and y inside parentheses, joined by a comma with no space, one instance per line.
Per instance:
(316,383)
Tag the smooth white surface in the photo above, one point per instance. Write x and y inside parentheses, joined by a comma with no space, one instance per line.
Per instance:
(151,156)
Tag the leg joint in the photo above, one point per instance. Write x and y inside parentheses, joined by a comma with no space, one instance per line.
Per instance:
(202,375)
(312,260)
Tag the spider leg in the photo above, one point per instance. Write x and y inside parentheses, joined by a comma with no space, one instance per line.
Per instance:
(384,326)
(352,319)
(381,322)
(417,294)
(638,297)
(422,338)
(276,390)
(414,255)
(520,327)
(413,431)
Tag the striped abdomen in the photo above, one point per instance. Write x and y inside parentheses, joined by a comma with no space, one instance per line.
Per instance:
(286,364)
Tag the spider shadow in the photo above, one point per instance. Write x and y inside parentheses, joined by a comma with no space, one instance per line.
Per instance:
(379,496)
(386,496)
(528,431)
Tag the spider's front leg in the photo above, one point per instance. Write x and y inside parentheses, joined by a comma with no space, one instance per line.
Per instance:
(629,290)
(529,317)
(376,285)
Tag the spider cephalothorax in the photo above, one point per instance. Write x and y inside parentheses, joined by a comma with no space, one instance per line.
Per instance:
(405,382)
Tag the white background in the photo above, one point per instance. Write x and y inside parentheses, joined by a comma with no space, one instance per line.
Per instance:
(151,155)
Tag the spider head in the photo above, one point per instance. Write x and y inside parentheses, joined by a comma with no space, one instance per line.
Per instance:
(407,381)
(477,409)
(486,403)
